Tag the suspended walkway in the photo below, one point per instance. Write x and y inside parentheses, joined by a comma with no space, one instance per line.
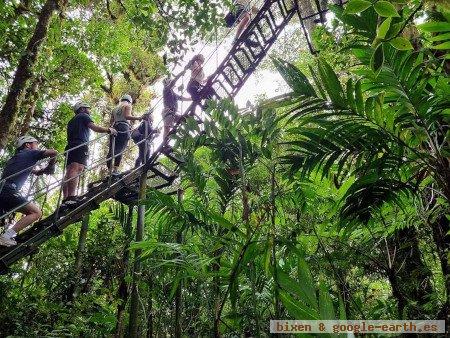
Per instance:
(225,82)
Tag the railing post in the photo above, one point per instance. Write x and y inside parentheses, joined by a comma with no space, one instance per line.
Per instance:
(113,151)
(63,182)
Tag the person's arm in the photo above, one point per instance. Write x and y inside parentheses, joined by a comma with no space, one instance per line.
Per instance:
(176,77)
(182,98)
(128,116)
(99,129)
(50,168)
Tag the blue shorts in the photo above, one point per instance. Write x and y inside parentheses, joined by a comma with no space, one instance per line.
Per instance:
(79,155)
(10,198)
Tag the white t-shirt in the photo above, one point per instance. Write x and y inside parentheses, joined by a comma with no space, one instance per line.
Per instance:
(197,72)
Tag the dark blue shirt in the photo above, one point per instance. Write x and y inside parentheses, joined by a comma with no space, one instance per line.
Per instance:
(170,98)
(78,131)
(139,133)
(24,159)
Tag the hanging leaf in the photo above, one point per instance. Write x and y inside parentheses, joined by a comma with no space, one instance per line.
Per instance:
(386,9)
(401,43)
(325,303)
(332,84)
(377,60)
(296,309)
(356,6)
(383,28)
(294,78)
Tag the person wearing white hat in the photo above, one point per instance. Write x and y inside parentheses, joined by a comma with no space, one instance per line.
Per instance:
(15,173)
(78,133)
(120,116)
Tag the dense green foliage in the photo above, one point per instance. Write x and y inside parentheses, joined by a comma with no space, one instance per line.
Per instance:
(330,201)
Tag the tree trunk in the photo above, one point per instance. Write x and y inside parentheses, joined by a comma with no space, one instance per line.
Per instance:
(134,306)
(30,100)
(441,231)
(23,73)
(150,309)
(122,293)
(409,276)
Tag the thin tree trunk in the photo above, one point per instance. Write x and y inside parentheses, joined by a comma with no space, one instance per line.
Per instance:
(150,309)
(122,293)
(274,246)
(134,306)
(23,73)
(74,289)
(441,231)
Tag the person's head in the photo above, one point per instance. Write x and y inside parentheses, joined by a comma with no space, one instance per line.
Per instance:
(81,107)
(198,58)
(126,98)
(26,142)
(167,81)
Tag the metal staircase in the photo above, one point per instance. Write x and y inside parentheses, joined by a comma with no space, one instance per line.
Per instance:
(226,81)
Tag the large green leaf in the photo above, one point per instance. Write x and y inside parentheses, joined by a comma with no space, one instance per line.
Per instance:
(294,78)
(435,27)
(296,309)
(401,43)
(331,83)
(325,303)
(386,9)
(356,6)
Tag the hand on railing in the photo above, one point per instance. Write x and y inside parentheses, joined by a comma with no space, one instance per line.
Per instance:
(48,170)
(112,132)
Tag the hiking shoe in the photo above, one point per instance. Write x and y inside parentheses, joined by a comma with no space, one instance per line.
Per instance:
(115,172)
(7,241)
(70,201)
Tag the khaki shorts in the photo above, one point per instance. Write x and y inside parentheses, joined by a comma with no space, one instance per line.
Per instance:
(169,117)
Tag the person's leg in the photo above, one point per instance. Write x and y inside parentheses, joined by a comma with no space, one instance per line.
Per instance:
(140,158)
(71,179)
(32,213)
(242,24)
(169,120)
(112,139)
(147,151)
(121,143)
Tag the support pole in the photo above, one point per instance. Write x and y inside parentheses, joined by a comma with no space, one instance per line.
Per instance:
(133,331)
(123,286)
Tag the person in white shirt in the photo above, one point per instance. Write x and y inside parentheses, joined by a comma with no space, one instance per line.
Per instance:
(197,80)
(243,13)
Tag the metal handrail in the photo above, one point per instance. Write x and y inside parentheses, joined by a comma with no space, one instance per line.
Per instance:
(61,181)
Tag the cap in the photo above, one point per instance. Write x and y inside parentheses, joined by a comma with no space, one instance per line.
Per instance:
(24,139)
(79,105)
(126,97)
